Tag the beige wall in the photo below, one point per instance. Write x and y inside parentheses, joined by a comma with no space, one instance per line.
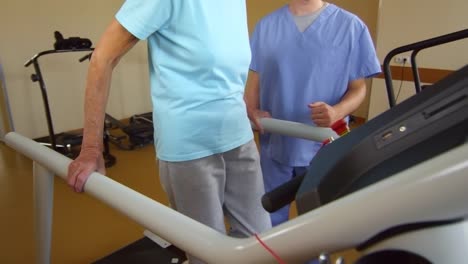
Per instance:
(27,28)
(367,10)
(256,9)
(403,22)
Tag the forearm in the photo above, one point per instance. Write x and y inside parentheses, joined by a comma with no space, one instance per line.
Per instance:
(96,95)
(352,99)
(252,91)
(115,42)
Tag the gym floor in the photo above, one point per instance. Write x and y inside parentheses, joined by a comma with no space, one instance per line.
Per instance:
(100,231)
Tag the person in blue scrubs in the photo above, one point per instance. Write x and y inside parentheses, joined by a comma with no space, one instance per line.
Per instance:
(309,63)
(199,56)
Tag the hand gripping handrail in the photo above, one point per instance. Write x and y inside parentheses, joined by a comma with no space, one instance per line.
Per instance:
(341,224)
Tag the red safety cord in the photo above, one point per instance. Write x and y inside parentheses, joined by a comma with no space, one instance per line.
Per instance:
(278,258)
(341,128)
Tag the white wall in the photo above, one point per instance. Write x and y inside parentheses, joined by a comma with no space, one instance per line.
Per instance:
(403,22)
(27,28)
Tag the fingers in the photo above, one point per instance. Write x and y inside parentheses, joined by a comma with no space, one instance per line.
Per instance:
(319,114)
(255,116)
(262,114)
(73,171)
(321,118)
(77,176)
(258,125)
(265,114)
(82,167)
(318,109)
(317,105)
(322,114)
(80,181)
(322,122)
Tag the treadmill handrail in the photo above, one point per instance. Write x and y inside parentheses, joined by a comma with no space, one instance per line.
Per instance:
(37,77)
(286,193)
(416,48)
(295,129)
(47,52)
(341,224)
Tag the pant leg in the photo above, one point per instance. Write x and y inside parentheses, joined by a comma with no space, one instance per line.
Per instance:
(196,189)
(274,175)
(244,190)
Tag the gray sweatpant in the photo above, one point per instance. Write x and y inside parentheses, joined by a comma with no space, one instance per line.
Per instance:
(226,184)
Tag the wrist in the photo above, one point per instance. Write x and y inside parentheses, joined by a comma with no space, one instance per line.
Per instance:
(92,148)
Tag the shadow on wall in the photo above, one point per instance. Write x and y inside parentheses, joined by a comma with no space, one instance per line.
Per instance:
(6,123)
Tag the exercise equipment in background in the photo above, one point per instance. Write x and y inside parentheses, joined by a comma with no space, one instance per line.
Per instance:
(136,133)
(66,143)
(415,49)
(70,43)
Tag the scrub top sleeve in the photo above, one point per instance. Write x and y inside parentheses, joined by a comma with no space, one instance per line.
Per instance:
(255,48)
(364,61)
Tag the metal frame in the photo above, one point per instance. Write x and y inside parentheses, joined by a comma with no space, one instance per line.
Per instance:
(416,48)
(37,77)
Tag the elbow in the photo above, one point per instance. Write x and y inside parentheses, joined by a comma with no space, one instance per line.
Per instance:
(103,60)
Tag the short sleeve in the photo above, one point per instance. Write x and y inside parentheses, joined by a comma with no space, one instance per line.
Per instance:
(254,47)
(364,61)
(142,17)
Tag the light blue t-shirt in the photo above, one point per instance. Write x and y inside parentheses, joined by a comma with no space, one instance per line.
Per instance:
(199,56)
(298,68)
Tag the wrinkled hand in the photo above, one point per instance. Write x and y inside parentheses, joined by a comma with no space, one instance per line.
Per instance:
(89,161)
(323,114)
(255,115)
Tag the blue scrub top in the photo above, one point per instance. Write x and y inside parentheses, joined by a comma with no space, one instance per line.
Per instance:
(298,68)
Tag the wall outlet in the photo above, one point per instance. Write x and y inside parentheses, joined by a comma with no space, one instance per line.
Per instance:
(402,59)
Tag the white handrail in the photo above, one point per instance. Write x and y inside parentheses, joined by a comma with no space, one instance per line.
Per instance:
(298,130)
(407,197)
(190,235)
(144,210)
